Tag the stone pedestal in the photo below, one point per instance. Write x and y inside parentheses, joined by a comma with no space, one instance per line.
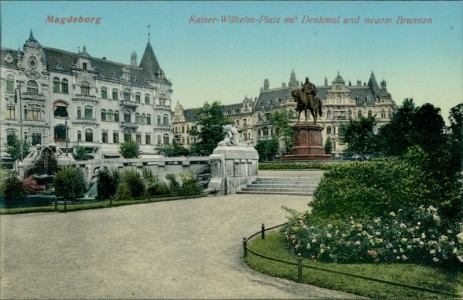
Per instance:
(232,168)
(307,143)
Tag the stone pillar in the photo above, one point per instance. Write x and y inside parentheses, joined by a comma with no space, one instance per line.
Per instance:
(307,143)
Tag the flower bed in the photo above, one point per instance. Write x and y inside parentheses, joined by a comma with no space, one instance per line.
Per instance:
(406,236)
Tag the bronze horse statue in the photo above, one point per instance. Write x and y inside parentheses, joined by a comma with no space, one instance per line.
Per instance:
(305,102)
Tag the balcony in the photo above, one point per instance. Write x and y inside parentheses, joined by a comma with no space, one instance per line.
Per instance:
(87,122)
(129,125)
(33,97)
(129,104)
(85,98)
(35,123)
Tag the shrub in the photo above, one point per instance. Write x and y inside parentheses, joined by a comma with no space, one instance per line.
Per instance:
(81,154)
(107,183)
(11,187)
(370,189)
(69,183)
(129,149)
(408,235)
(130,185)
(154,187)
(190,185)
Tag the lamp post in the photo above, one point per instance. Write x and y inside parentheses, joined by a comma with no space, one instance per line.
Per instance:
(66,138)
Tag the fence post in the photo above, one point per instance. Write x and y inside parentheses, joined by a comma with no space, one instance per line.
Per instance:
(263,232)
(299,267)
(245,249)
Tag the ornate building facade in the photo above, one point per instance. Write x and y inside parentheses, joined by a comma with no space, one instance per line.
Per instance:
(54,96)
(341,101)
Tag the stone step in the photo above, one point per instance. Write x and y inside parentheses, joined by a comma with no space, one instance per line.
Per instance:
(289,185)
(278,190)
(282,186)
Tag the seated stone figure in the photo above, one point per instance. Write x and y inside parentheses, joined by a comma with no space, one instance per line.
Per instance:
(232,137)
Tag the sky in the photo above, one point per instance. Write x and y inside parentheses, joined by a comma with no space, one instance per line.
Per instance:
(211,60)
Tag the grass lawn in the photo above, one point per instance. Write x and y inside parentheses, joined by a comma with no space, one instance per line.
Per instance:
(89,205)
(449,281)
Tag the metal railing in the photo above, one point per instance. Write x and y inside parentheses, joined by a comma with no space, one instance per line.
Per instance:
(301,266)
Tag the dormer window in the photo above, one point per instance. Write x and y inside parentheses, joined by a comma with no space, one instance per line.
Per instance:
(84,66)
(85,89)
(32,87)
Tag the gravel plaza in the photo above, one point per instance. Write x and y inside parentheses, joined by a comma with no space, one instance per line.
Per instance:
(187,249)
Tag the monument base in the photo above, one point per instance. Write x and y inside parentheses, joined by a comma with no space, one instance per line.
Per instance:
(307,143)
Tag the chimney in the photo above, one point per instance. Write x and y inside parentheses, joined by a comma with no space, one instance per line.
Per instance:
(133,59)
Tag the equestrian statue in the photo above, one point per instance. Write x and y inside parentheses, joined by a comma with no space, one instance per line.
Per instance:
(307,100)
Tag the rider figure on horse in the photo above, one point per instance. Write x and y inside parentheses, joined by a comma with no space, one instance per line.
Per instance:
(309,89)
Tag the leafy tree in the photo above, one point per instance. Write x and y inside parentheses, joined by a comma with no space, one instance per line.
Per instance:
(267,149)
(14,145)
(280,119)
(456,137)
(328,146)
(211,122)
(173,150)
(81,153)
(69,183)
(428,128)
(129,149)
(359,136)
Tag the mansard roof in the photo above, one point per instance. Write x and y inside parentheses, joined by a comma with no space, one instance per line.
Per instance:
(272,98)
(365,94)
(63,61)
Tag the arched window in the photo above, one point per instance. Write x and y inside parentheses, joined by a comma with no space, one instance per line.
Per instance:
(148,119)
(383,114)
(127,116)
(116,116)
(60,109)
(64,86)
(110,116)
(126,95)
(359,115)
(370,114)
(137,97)
(104,93)
(10,84)
(137,118)
(147,99)
(79,136)
(328,130)
(88,135)
(165,119)
(32,87)
(103,115)
(85,88)
(56,84)
(79,112)
(159,120)
(115,95)
(143,119)
(88,112)
(127,136)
